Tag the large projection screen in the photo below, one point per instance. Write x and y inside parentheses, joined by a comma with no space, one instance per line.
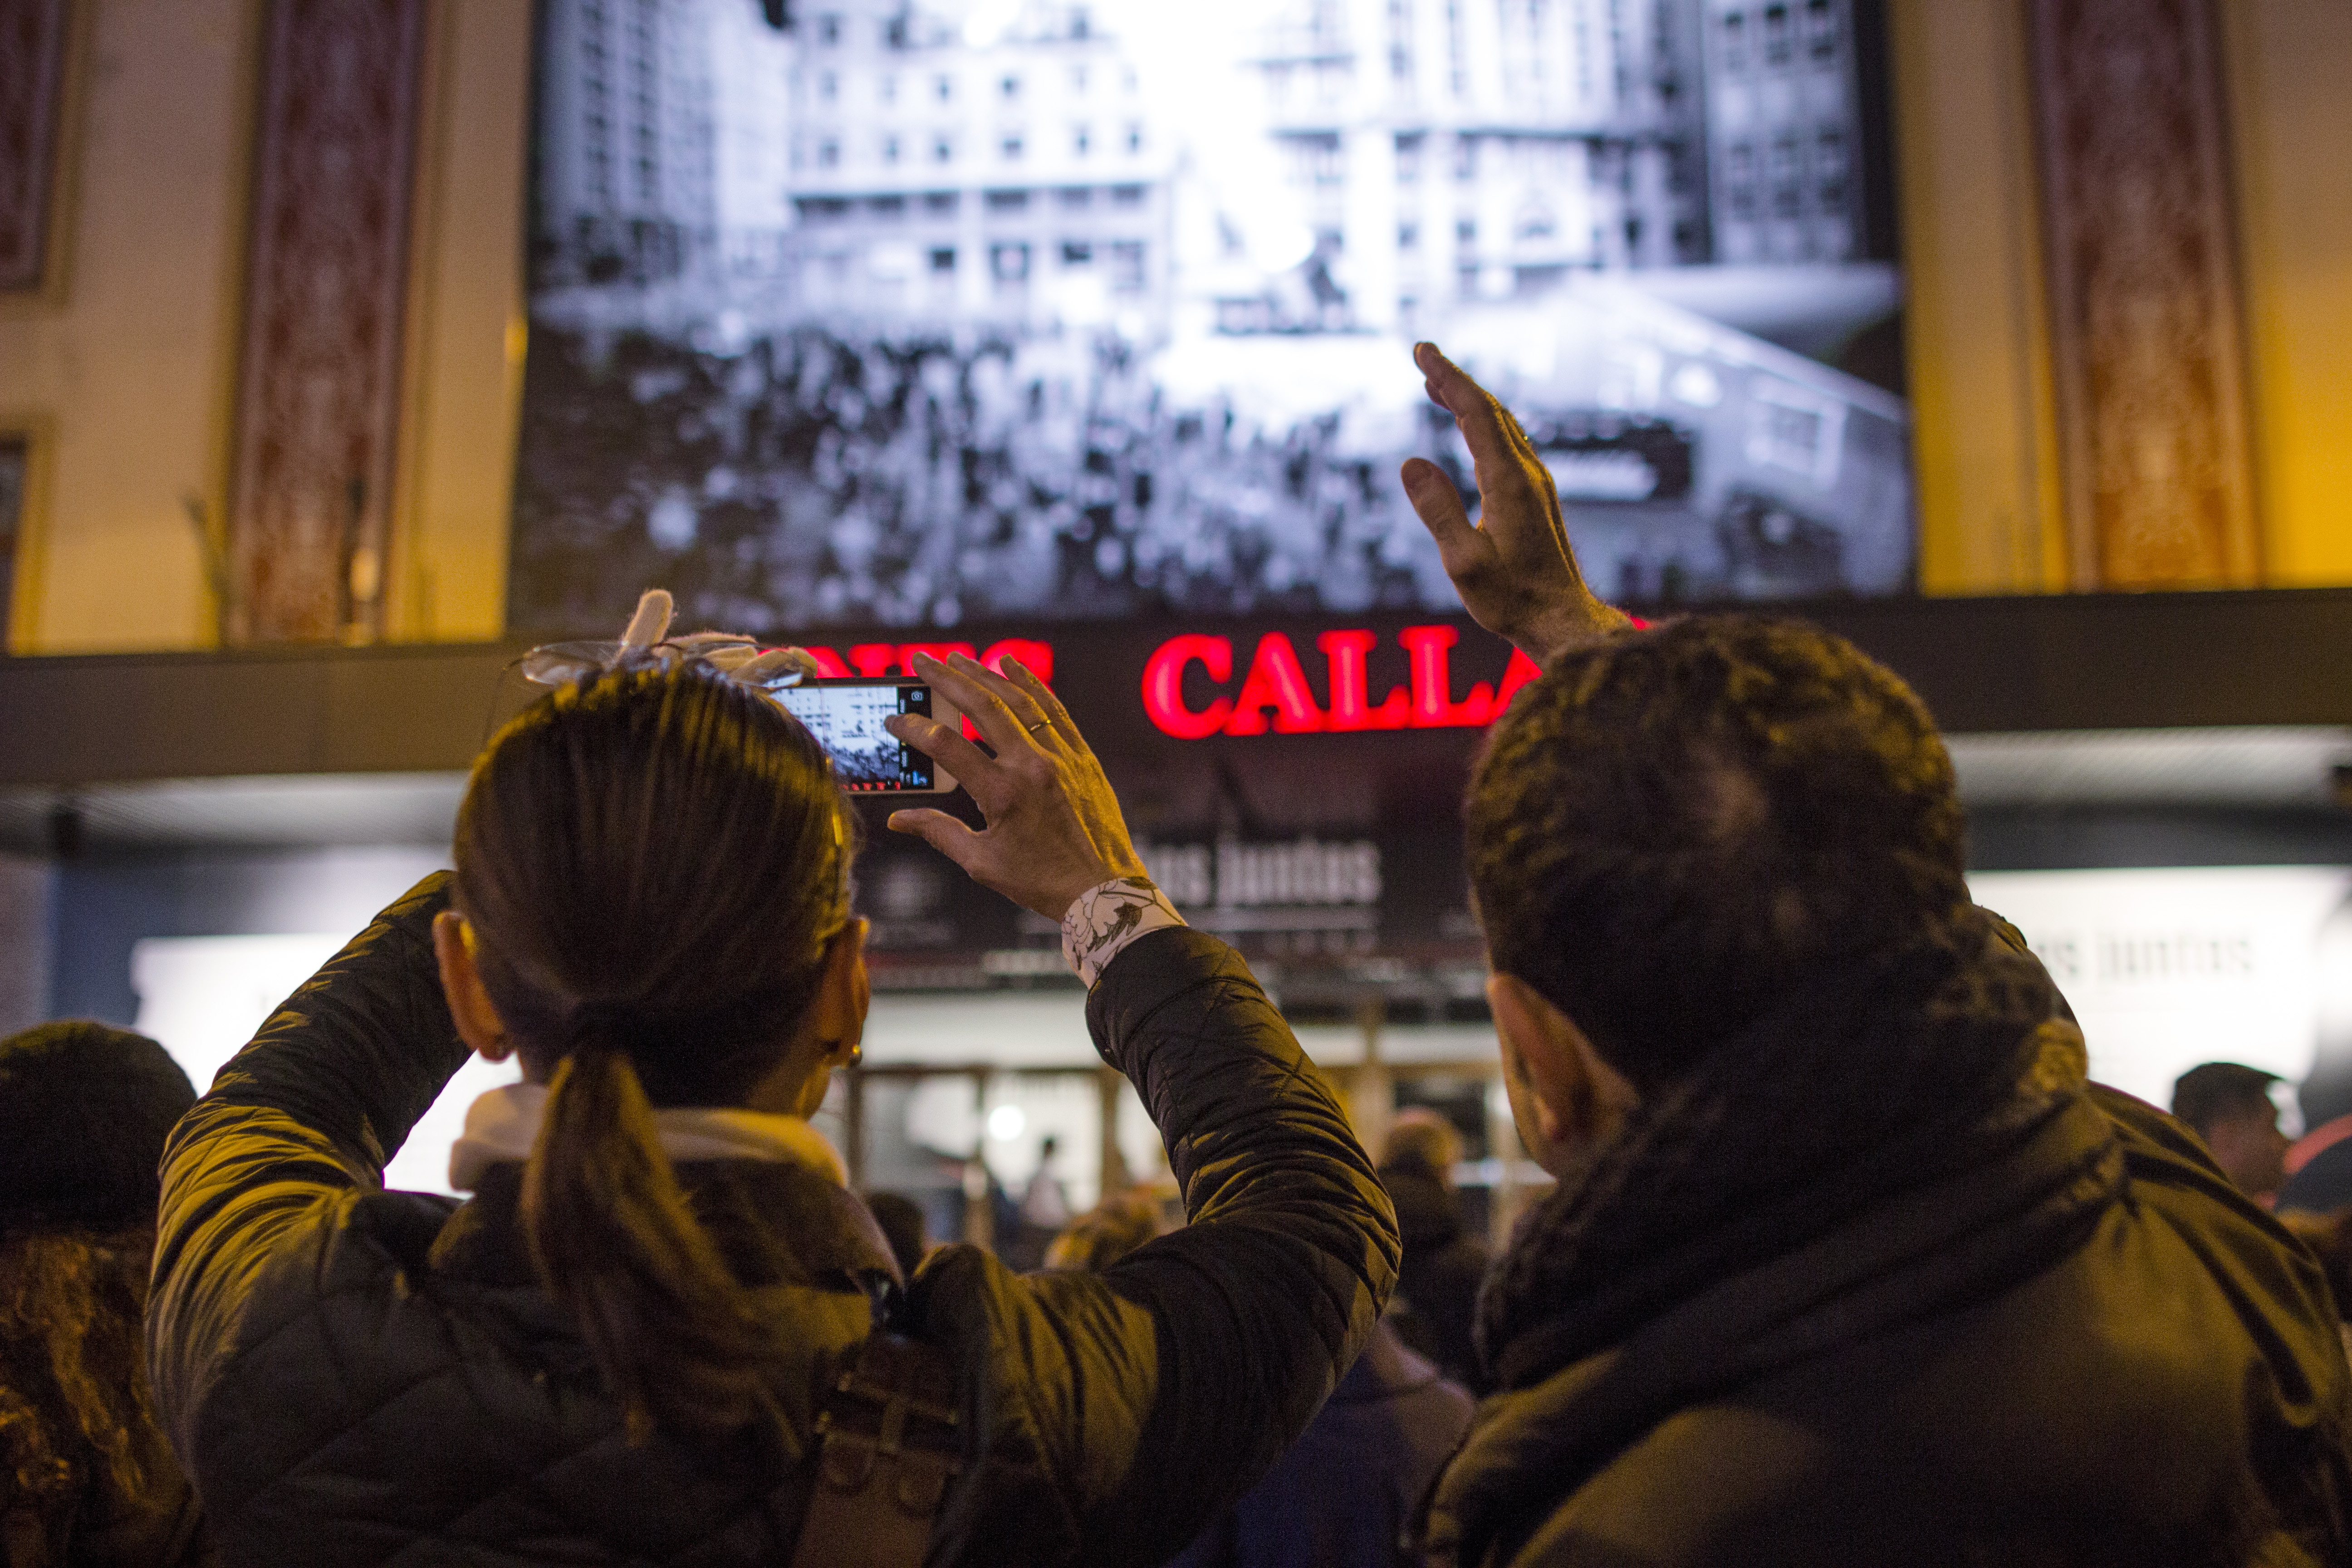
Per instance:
(864,312)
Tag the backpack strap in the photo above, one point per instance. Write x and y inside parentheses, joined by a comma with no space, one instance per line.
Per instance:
(890,1441)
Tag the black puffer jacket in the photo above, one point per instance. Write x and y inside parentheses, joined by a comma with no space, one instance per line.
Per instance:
(1889,1287)
(356,1376)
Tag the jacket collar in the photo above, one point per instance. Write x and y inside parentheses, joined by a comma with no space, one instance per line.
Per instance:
(1877,1075)
(775,1224)
(1959,1238)
(502,1124)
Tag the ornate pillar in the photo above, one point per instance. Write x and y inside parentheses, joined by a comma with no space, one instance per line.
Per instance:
(2146,336)
(318,408)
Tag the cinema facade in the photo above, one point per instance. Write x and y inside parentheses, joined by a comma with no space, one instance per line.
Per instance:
(195,832)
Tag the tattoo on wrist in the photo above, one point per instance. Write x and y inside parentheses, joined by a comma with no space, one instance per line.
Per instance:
(1106,918)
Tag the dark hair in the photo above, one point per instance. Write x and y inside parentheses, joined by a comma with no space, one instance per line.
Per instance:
(655,863)
(84,1110)
(75,1410)
(1421,1140)
(1105,1233)
(2216,1092)
(1671,824)
(903,1226)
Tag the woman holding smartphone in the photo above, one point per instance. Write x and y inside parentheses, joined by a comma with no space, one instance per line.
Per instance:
(661,1330)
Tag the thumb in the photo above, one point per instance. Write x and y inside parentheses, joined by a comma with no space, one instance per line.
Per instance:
(941,831)
(1439,506)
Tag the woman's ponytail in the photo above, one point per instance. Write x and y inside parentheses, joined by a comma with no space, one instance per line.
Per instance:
(655,862)
(676,1334)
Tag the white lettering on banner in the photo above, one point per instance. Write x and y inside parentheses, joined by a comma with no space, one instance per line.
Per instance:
(2170,967)
(1239,875)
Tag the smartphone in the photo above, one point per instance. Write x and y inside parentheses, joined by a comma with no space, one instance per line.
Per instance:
(845,716)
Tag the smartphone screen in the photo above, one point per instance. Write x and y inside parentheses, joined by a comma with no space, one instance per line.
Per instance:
(847,718)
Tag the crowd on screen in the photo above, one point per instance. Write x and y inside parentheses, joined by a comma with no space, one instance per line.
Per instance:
(940,480)
(1844,1259)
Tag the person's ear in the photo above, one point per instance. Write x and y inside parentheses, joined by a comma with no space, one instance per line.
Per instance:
(477,1016)
(843,996)
(1564,1098)
(834,1023)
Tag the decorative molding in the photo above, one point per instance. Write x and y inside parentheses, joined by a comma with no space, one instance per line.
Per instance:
(318,410)
(2145,323)
(33,51)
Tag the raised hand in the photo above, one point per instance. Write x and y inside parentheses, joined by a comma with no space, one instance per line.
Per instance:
(1515,568)
(1054,826)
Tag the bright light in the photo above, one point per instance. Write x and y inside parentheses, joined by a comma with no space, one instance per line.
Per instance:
(204,996)
(1006,1122)
(987,24)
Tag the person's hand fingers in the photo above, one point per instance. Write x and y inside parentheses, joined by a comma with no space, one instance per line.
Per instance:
(974,698)
(944,743)
(1438,504)
(1057,716)
(1481,418)
(944,834)
(1090,793)
(650,621)
(1505,462)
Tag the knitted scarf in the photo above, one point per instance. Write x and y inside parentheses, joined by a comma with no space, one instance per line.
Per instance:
(1878,1076)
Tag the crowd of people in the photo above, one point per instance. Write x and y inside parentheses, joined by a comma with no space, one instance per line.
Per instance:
(1845,1260)
(935,479)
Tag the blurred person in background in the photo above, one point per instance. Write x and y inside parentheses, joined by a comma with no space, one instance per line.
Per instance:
(1343,1496)
(1436,1300)
(85,1477)
(1847,1262)
(1039,1216)
(903,1225)
(2230,1106)
(1044,1206)
(1105,1233)
(661,1329)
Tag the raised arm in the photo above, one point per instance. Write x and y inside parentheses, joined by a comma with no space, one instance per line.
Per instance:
(1514,567)
(1161,1390)
(300,1122)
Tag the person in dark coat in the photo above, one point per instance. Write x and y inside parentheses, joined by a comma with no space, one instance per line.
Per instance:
(1847,1263)
(2229,1105)
(1436,1300)
(904,1227)
(85,1477)
(617,1350)
(1346,1493)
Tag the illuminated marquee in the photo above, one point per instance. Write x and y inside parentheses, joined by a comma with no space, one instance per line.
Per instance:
(876,659)
(1276,695)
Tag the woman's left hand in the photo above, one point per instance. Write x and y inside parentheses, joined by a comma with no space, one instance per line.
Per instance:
(1054,828)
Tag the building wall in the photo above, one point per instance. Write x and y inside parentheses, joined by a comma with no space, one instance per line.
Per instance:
(2287,62)
(124,370)
(1985,421)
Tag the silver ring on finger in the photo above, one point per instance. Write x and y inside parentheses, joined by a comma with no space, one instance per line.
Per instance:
(1040,724)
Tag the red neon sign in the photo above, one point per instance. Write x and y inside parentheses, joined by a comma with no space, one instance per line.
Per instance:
(1275,697)
(876,659)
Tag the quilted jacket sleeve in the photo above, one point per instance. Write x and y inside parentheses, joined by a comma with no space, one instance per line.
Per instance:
(1162,1389)
(296,1127)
